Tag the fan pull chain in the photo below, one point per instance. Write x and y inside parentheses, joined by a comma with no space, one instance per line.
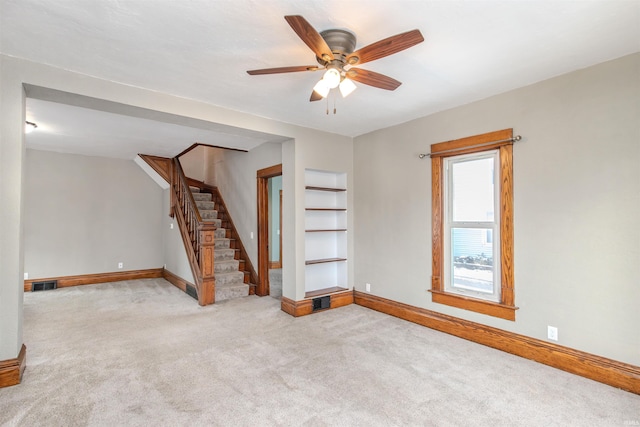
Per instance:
(334,103)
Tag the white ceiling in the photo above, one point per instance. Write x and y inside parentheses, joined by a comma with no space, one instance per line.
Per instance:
(92,132)
(201,49)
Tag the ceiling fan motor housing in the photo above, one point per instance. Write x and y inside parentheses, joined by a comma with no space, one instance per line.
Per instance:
(341,42)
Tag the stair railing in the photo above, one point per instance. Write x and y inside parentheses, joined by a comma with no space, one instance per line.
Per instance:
(197,235)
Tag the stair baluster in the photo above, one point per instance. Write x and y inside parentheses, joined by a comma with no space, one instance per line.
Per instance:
(197,235)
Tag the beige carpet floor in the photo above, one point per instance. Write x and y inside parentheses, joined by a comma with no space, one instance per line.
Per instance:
(142,353)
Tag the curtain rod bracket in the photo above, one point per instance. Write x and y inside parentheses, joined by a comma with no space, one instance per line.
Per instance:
(514,139)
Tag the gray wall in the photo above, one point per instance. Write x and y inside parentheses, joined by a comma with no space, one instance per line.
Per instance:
(576,203)
(12,160)
(174,252)
(234,173)
(193,163)
(83,215)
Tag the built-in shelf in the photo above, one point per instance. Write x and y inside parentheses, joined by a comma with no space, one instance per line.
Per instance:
(325,291)
(324,260)
(310,187)
(326,232)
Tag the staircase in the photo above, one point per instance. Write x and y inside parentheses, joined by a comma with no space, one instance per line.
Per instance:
(230,278)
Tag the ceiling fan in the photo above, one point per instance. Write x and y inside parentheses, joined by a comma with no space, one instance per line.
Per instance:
(335,52)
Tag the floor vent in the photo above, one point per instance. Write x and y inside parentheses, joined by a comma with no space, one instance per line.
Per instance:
(321,303)
(44,286)
(191,291)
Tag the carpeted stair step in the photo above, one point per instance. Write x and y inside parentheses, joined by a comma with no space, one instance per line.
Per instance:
(204,205)
(223,255)
(226,266)
(222,243)
(230,291)
(202,197)
(223,279)
(210,216)
(220,233)
(194,189)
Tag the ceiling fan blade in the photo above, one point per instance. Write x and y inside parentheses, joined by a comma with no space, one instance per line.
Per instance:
(310,36)
(315,96)
(283,70)
(372,78)
(385,47)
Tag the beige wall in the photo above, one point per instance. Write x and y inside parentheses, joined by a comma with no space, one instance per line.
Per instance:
(84,215)
(576,203)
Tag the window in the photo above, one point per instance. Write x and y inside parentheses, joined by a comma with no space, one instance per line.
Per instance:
(472,221)
(470,206)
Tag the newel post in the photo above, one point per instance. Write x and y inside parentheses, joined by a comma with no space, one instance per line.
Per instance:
(208,290)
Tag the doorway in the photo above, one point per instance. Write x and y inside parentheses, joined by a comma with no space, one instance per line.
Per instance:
(269,186)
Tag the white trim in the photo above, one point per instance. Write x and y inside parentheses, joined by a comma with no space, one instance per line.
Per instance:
(493,225)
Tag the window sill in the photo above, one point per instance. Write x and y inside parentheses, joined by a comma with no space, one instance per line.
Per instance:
(473,304)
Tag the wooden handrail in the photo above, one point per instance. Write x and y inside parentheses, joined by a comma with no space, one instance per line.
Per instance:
(197,235)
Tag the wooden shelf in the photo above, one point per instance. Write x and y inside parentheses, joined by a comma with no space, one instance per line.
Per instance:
(309,187)
(322,261)
(325,291)
(326,242)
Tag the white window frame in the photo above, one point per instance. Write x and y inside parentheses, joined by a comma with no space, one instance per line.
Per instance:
(450,224)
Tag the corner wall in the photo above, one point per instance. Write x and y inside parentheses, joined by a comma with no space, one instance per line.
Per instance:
(576,206)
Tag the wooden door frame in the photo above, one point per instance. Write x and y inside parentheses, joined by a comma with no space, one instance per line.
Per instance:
(262,176)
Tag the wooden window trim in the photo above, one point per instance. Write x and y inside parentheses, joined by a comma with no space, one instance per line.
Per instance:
(500,140)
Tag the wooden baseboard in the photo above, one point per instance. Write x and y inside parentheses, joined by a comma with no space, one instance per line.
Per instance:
(11,370)
(601,369)
(305,306)
(91,279)
(176,281)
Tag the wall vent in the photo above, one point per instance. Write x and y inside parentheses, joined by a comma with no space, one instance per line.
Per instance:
(321,303)
(44,286)
(191,291)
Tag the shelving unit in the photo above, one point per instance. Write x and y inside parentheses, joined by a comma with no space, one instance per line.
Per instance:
(326,233)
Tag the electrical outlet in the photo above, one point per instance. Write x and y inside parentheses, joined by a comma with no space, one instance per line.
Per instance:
(552,333)
(120,265)
(171,226)
(367,287)
(252,235)
(26,276)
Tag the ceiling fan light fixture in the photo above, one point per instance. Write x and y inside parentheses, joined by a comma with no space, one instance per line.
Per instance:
(346,87)
(322,88)
(332,78)
(29,127)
